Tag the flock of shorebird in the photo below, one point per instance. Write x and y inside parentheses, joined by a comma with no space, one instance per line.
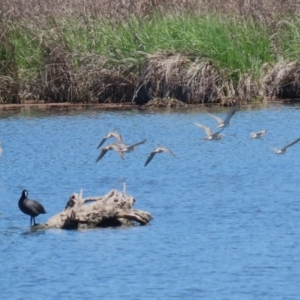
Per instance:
(121,148)
(34,208)
(225,123)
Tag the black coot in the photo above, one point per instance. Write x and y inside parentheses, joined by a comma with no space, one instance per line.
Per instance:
(30,207)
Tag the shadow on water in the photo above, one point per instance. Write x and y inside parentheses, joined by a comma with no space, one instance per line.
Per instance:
(33,231)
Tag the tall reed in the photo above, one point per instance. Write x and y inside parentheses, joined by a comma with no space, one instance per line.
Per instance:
(78,50)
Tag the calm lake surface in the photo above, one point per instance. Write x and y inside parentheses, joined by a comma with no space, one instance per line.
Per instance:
(226,213)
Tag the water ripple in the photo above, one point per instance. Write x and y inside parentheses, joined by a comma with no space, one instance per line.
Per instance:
(226,213)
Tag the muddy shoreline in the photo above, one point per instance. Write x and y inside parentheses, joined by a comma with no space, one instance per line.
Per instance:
(120,106)
(68,105)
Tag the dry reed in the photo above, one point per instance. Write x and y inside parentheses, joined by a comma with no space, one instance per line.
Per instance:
(65,75)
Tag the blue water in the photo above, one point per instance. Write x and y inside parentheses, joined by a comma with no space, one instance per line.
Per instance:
(226,213)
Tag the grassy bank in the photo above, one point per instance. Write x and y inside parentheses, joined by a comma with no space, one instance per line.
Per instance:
(194,52)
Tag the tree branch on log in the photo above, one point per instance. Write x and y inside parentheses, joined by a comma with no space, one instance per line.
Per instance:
(113,209)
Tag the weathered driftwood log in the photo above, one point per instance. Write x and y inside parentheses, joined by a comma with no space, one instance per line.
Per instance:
(113,209)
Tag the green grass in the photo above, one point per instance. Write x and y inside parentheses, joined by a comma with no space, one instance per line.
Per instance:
(28,54)
(237,45)
(234,44)
(288,38)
